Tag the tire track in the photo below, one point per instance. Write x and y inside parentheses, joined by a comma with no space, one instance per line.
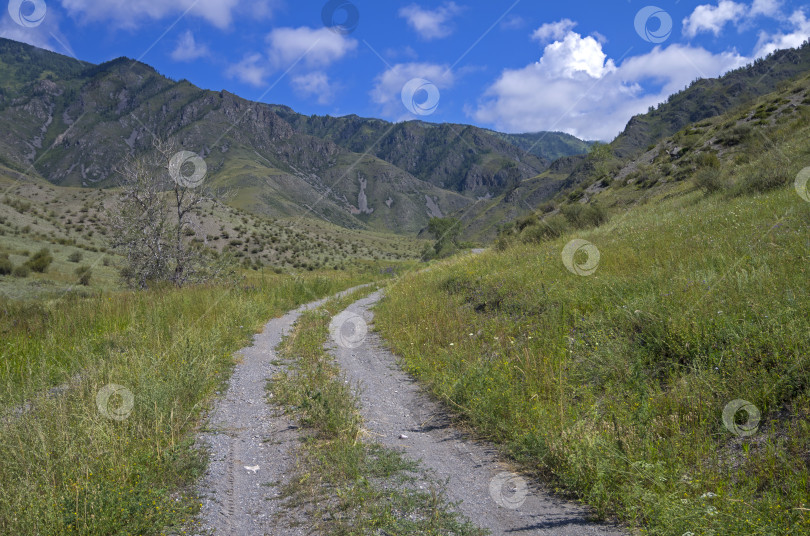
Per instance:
(251,446)
(400,415)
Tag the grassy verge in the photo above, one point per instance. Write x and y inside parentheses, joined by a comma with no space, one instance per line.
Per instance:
(614,385)
(347,485)
(87,458)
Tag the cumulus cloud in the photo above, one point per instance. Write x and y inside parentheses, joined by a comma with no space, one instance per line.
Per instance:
(130,13)
(769,8)
(553,31)
(574,56)
(431,24)
(798,33)
(574,87)
(387,91)
(708,18)
(314,48)
(188,49)
(313,84)
(251,70)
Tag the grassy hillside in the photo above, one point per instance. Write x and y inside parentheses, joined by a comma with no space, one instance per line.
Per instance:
(71,224)
(614,385)
(78,462)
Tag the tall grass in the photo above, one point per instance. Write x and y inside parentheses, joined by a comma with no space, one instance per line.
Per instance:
(74,464)
(614,385)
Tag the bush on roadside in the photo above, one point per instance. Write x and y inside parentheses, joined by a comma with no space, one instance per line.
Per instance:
(75,257)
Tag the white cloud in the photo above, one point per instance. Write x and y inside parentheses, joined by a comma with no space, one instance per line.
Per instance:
(513,22)
(188,49)
(430,24)
(769,8)
(576,88)
(130,13)
(251,70)
(46,35)
(708,18)
(313,48)
(798,34)
(314,84)
(553,31)
(576,55)
(388,86)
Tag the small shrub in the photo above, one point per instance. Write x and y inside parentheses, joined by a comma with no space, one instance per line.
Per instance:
(582,216)
(5,265)
(757,181)
(21,271)
(708,160)
(40,261)
(84,273)
(75,257)
(708,180)
(546,229)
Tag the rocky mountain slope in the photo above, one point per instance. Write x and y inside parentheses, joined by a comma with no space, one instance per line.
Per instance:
(72,123)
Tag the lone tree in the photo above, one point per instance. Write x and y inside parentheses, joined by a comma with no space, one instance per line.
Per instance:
(446,232)
(161,196)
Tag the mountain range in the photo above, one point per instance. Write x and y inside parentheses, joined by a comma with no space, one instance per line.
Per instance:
(72,123)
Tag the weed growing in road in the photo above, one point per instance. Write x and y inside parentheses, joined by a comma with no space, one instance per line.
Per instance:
(345,483)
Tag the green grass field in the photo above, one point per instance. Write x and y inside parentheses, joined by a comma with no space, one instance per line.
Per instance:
(614,385)
(81,456)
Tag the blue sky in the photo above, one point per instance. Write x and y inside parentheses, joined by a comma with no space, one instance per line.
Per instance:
(516,66)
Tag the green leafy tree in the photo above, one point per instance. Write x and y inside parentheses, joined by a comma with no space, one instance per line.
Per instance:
(446,232)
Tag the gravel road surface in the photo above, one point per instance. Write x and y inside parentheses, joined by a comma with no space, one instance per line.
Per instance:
(398,414)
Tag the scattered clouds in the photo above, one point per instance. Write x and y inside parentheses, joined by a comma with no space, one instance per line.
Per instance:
(387,91)
(553,31)
(798,33)
(431,24)
(305,52)
(188,49)
(769,8)
(708,18)
(131,13)
(46,35)
(251,70)
(315,84)
(576,88)
(313,48)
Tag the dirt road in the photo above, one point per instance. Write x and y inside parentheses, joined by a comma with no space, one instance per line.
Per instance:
(251,445)
(398,414)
